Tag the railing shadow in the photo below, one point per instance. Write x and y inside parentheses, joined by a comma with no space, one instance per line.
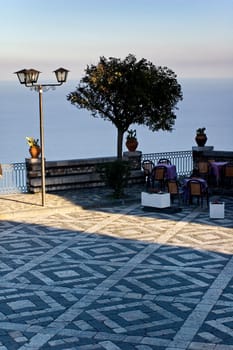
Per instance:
(16,200)
(101,199)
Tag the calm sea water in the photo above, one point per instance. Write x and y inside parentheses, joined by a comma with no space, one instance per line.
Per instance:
(71,133)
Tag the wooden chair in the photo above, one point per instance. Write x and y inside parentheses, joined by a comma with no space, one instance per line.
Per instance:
(228,175)
(203,169)
(164,160)
(158,175)
(147,166)
(174,190)
(196,191)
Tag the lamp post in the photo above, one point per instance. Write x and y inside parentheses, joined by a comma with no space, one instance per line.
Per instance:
(29,78)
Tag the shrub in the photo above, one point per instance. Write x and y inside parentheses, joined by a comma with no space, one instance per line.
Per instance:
(115,175)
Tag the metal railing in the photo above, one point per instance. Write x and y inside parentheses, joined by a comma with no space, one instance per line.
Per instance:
(13,179)
(183,160)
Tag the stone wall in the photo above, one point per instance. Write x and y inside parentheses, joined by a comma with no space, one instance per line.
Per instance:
(76,173)
(208,154)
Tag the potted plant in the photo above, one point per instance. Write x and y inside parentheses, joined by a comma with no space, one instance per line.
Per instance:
(201,137)
(131,140)
(34,147)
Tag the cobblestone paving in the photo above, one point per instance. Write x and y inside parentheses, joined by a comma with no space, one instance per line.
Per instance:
(78,275)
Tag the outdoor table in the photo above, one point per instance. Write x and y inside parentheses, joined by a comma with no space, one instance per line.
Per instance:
(216,168)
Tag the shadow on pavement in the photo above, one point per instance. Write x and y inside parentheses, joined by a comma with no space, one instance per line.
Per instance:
(78,280)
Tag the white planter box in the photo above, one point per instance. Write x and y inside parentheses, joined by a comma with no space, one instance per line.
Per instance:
(156,200)
(217,210)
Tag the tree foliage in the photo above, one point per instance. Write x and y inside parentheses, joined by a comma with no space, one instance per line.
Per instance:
(129,92)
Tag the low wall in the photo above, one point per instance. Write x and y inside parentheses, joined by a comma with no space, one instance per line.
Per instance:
(208,153)
(76,173)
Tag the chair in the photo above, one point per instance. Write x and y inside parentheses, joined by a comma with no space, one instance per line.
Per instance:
(203,169)
(158,175)
(147,166)
(164,161)
(196,191)
(174,190)
(228,174)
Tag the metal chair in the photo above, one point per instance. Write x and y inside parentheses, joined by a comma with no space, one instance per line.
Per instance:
(164,161)
(174,190)
(147,166)
(196,191)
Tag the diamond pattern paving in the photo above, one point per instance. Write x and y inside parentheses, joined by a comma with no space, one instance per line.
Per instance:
(117,278)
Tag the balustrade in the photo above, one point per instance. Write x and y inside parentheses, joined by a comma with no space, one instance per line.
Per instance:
(25,177)
(183,160)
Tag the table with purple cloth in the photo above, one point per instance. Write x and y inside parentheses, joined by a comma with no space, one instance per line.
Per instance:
(216,170)
(203,182)
(170,173)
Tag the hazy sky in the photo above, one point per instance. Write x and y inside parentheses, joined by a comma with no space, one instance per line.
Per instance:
(194,38)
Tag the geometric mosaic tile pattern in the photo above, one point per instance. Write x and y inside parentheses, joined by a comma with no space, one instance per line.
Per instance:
(117,279)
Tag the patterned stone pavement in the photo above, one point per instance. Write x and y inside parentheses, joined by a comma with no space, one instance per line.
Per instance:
(88,272)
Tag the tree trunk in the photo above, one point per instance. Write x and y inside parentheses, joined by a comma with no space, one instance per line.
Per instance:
(120,135)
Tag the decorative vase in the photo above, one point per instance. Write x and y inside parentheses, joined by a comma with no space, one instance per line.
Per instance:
(132,145)
(34,151)
(201,140)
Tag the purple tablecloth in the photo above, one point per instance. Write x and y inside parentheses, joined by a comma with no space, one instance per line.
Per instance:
(215,168)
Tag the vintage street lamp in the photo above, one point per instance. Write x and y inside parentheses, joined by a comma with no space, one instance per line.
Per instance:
(29,78)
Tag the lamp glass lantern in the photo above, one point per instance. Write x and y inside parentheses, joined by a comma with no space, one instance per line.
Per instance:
(61,75)
(32,76)
(28,76)
(21,74)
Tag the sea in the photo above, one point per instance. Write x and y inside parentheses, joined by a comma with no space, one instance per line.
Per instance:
(72,133)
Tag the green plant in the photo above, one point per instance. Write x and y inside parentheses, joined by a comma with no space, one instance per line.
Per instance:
(200,131)
(32,142)
(115,175)
(131,135)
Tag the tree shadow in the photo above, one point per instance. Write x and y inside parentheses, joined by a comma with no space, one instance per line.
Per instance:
(79,280)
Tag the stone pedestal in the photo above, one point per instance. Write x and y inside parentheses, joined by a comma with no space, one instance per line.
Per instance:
(134,158)
(198,153)
(202,149)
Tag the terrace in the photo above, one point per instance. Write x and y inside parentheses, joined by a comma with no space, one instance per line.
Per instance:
(91,272)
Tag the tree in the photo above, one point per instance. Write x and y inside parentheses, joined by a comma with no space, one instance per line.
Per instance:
(129,92)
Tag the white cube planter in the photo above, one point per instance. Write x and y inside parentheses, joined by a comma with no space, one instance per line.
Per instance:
(217,210)
(156,200)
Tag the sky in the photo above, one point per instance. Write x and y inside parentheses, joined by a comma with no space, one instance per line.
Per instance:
(194,38)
